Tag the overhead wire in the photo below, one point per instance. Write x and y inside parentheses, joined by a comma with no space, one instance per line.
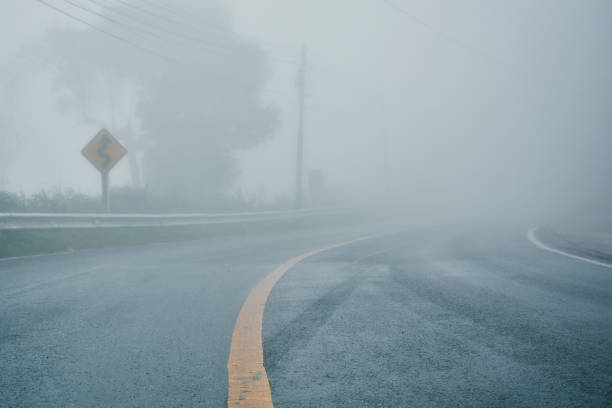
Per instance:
(108,33)
(144,30)
(157,26)
(175,10)
(136,30)
(177,28)
(210,24)
(134,44)
(447,37)
(186,27)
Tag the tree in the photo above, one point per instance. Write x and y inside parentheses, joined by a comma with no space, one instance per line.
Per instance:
(197,118)
(190,89)
(100,82)
(9,133)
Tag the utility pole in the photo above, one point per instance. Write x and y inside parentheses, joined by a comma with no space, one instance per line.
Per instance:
(301,86)
(386,161)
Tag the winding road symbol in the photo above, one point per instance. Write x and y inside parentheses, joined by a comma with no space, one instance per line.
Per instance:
(104,151)
(105,141)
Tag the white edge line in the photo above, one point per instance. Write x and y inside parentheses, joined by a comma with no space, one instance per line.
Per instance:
(531,237)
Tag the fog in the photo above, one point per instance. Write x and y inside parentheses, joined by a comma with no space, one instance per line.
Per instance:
(431,109)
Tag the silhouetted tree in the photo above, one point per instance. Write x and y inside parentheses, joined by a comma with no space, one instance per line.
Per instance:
(187,100)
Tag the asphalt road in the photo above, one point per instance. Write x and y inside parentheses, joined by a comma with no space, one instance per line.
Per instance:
(441,319)
(146,326)
(428,317)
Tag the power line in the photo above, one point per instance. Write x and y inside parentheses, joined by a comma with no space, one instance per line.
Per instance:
(301,86)
(448,38)
(186,27)
(103,31)
(271,47)
(132,29)
(150,13)
(213,25)
(137,30)
(185,13)
(174,28)
(233,80)
(157,26)
(124,22)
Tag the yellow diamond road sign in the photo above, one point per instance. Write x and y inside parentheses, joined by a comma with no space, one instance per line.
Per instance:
(104,151)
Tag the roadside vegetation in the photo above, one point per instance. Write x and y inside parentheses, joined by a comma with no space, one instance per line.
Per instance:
(129,200)
(15,243)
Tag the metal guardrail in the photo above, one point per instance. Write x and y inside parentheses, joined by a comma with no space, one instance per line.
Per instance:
(21,221)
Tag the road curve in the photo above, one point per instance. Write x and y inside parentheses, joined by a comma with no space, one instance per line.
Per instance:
(428,317)
(466,318)
(532,236)
(247,378)
(136,326)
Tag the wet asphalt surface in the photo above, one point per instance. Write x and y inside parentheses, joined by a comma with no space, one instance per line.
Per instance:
(146,326)
(420,318)
(441,319)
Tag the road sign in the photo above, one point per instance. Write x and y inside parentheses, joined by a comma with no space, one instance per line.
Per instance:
(104,151)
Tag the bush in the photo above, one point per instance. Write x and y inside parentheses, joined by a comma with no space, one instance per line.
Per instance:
(130,200)
(11,202)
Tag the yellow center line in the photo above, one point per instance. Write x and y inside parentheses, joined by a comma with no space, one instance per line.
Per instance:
(247,377)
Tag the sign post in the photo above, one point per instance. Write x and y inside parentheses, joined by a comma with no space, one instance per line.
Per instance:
(105,199)
(104,151)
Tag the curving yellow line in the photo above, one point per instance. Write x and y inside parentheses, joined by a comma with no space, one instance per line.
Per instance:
(247,377)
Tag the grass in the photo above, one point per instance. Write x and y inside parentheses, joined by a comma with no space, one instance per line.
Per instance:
(15,243)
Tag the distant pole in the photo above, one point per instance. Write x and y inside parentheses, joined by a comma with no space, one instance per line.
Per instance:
(105,197)
(386,161)
(301,86)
